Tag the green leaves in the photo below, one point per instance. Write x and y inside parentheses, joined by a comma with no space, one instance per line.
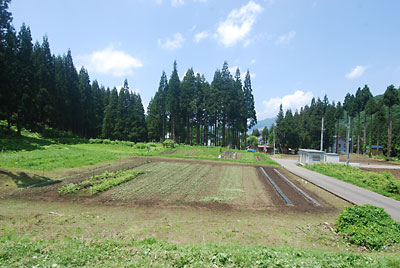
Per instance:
(100,183)
(368,226)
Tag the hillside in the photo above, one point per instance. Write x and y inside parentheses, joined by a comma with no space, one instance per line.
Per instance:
(262,123)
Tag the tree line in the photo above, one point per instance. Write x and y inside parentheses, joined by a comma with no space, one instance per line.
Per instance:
(369,116)
(39,90)
(193,111)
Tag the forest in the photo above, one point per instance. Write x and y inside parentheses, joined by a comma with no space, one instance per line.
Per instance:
(374,120)
(41,91)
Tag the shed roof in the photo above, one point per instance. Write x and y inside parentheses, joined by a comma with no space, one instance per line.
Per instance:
(311,151)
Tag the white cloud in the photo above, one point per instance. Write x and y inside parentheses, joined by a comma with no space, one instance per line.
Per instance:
(200,36)
(253,61)
(356,72)
(172,44)
(159,2)
(238,25)
(294,101)
(110,61)
(286,38)
(177,3)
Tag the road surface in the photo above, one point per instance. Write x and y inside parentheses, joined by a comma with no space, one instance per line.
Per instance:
(347,191)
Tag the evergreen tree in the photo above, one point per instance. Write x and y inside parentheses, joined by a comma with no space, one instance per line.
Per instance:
(173,101)
(265,134)
(370,110)
(110,116)
(338,116)
(390,98)
(366,96)
(249,101)
(24,92)
(188,87)
(86,104)
(380,119)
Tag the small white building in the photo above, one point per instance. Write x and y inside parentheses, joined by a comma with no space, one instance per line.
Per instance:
(331,158)
(310,156)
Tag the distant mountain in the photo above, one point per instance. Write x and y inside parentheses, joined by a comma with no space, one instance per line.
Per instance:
(262,123)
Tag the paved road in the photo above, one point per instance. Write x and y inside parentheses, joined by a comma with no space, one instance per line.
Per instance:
(349,192)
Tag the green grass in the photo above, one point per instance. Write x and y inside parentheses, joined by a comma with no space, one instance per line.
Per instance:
(55,156)
(33,152)
(71,251)
(212,153)
(384,183)
(230,186)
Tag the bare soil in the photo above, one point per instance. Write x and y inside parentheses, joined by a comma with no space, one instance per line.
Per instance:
(354,158)
(192,181)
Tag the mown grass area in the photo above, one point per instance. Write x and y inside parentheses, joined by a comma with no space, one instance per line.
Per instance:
(213,153)
(18,251)
(384,183)
(55,234)
(31,151)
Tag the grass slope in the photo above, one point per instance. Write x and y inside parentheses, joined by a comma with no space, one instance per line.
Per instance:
(75,252)
(384,184)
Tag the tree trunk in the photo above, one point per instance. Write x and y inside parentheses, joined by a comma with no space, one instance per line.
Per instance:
(337,137)
(370,139)
(390,134)
(377,142)
(352,135)
(223,132)
(198,134)
(187,130)
(215,134)
(365,133)
(358,135)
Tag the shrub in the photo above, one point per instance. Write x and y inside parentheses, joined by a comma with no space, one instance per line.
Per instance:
(368,226)
(169,143)
(141,145)
(68,189)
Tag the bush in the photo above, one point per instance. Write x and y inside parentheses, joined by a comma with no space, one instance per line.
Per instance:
(169,143)
(68,189)
(368,226)
(141,145)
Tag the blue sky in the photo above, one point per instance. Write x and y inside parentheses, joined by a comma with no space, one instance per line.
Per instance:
(295,50)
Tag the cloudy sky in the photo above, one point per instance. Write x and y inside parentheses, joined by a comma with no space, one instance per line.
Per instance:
(295,50)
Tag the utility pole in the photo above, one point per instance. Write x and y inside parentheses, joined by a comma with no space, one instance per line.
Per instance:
(322,135)
(348,143)
(274,139)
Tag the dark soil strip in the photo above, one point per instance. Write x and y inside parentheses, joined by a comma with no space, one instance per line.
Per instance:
(277,189)
(306,196)
(298,201)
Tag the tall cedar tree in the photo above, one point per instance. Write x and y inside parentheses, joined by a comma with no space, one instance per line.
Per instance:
(370,110)
(173,101)
(366,95)
(390,98)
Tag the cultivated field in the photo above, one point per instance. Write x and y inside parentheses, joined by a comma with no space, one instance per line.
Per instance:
(182,206)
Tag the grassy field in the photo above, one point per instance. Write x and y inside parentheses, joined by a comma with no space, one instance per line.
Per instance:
(65,234)
(159,211)
(35,153)
(213,153)
(384,184)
